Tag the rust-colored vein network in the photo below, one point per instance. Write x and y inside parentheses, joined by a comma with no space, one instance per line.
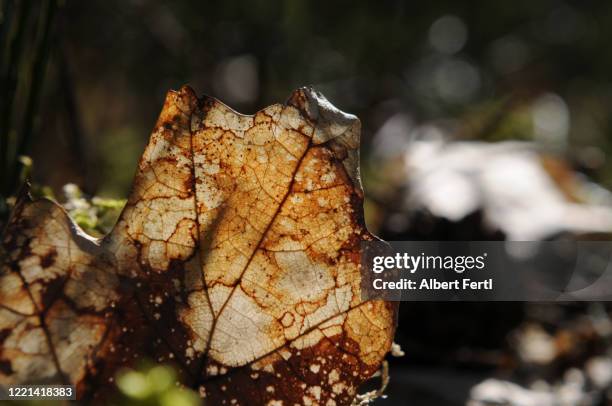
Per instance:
(236,259)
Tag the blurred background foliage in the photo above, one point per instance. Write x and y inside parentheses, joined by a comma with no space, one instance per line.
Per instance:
(84,81)
(153,385)
(436,84)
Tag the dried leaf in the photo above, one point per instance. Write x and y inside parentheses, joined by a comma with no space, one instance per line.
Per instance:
(236,258)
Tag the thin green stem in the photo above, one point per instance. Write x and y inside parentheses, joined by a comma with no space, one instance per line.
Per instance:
(5,28)
(9,89)
(37,79)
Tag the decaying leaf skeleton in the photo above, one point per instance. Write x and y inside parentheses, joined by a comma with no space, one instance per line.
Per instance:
(236,259)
